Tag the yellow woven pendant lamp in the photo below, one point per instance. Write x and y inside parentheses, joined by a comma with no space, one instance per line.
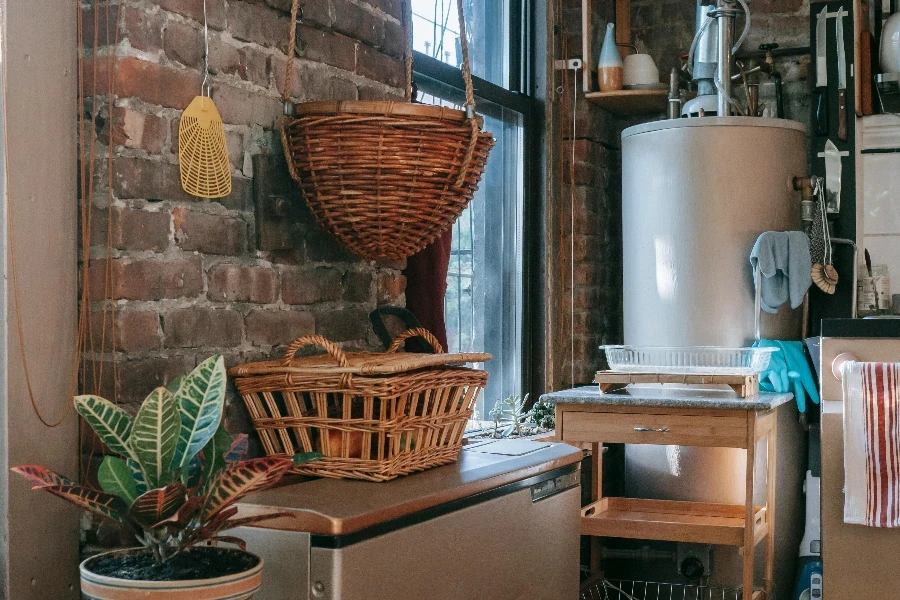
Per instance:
(202,152)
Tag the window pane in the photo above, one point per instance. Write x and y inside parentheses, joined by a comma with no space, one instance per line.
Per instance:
(483,304)
(436,33)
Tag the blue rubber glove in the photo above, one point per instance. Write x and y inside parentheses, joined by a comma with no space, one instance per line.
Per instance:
(788,371)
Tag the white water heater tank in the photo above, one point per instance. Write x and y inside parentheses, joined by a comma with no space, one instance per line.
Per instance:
(696,195)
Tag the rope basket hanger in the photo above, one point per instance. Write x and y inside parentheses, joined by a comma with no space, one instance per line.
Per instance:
(385,178)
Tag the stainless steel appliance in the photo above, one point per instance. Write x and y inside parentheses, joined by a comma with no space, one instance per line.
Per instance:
(859,563)
(503,524)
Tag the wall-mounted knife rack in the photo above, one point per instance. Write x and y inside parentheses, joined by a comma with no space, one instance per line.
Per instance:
(824,127)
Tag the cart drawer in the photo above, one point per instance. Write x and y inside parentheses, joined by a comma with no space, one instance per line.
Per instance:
(651,428)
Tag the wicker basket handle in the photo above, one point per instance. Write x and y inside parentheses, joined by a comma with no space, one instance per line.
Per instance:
(419,332)
(333,350)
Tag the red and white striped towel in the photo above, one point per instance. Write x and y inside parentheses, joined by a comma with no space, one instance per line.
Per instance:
(872,443)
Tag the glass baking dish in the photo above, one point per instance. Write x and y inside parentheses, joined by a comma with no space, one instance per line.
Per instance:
(688,360)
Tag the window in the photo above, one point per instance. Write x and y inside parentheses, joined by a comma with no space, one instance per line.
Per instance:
(486,306)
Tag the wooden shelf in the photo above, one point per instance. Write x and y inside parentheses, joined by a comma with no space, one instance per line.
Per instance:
(631,102)
(670,520)
(611,381)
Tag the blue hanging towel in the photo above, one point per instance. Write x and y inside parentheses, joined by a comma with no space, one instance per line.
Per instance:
(788,371)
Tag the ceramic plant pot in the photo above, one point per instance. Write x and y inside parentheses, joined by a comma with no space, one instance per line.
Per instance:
(610,69)
(239,586)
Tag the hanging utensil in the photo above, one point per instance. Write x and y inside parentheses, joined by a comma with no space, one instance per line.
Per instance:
(821,90)
(842,76)
(833,175)
(824,275)
(202,152)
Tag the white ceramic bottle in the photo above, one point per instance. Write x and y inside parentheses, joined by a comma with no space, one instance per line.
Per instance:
(609,67)
(890,45)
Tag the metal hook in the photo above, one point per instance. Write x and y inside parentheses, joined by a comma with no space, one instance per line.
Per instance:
(300,46)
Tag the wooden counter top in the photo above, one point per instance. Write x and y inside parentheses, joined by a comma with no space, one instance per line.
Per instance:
(339,507)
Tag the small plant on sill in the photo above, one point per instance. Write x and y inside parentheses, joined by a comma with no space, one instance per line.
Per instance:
(511,409)
(543,415)
(174,474)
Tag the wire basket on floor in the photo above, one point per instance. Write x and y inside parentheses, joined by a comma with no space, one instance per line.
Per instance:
(621,589)
(374,416)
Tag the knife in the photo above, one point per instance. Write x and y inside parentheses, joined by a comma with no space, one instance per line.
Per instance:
(821,91)
(842,76)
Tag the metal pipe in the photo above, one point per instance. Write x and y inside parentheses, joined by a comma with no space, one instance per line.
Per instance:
(674,105)
(726,38)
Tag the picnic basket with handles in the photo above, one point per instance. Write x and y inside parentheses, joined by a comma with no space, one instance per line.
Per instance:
(373,415)
(385,178)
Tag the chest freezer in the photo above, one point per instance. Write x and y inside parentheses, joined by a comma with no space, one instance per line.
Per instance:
(500,524)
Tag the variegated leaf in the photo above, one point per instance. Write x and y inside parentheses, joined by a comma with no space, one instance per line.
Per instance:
(229,539)
(305,457)
(183,515)
(174,385)
(41,476)
(155,435)
(200,400)
(138,476)
(243,478)
(240,446)
(111,423)
(100,503)
(214,454)
(115,478)
(158,505)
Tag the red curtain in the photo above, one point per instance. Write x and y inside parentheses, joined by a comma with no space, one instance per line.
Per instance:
(426,284)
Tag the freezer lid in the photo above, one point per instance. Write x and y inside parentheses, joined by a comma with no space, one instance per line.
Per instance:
(334,507)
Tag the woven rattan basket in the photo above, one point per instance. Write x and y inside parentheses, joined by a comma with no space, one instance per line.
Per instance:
(385,178)
(374,416)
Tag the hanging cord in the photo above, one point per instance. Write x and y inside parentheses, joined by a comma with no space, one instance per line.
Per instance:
(205,87)
(470,97)
(572,213)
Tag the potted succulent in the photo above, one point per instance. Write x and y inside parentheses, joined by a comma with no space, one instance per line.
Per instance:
(172,479)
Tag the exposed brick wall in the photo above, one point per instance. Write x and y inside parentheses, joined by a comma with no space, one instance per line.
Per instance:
(665,28)
(593,187)
(187,279)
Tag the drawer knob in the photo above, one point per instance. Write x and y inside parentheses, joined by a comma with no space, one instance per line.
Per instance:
(655,430)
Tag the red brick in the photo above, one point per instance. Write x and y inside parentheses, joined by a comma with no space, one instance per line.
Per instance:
(235,143)
(135,129)
(241,107)
(241,193)
(132,229)
(357,286)
(211,234)
(226,59)
(143,29)
(358,23)
(329,48)
(193,9)
(147,279)
(394,40)
(311,81)
(184,43)
(134,331)
(202,328)
(323,247)
(343,325)
(300,286)
(314,11)
(238,283)
(151,82)
(391,287)
(254,66)
(141,178)
(257,23)
(137,378)
(379,93)
(391,7)
(380,67)
(278,327)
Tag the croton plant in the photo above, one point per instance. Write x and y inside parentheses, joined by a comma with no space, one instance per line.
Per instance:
(174,473)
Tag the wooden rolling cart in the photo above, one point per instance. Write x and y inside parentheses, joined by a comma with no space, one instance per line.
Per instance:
(586,415)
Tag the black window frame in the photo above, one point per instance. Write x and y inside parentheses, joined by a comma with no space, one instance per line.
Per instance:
(525,96)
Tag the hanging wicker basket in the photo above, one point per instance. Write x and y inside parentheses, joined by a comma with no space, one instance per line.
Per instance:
(374,416)
(385,178)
